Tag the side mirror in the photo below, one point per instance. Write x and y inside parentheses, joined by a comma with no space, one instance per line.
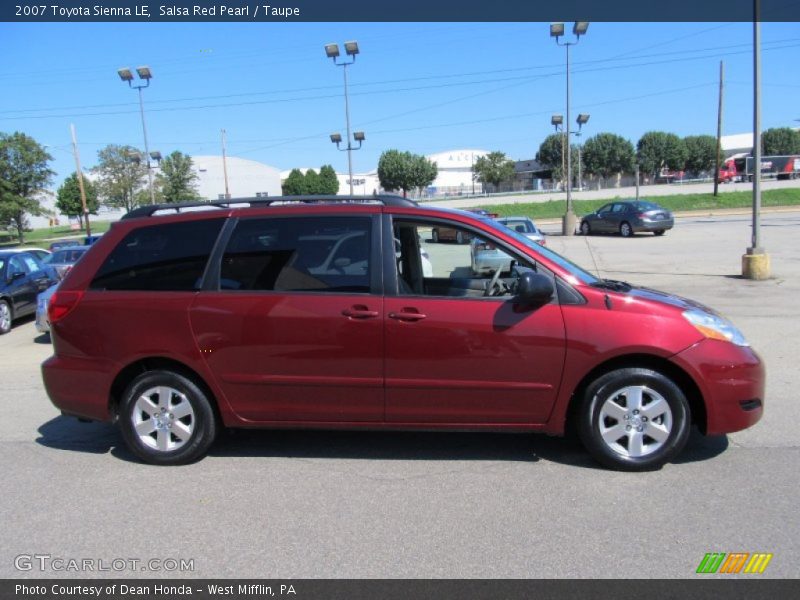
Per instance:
(534,289)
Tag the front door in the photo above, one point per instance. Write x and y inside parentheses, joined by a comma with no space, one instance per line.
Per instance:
(455,355)
(294,330)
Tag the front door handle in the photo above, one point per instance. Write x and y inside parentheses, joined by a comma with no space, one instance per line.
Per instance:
(359,311)
(408,314)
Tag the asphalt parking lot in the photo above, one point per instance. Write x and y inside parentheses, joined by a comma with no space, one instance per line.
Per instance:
(293,504)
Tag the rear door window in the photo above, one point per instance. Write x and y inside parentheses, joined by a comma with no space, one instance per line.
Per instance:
(298,254)
(169,257)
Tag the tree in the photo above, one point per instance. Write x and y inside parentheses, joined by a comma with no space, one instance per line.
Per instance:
(24,174)
(295,184)
(550,154)
(701,153)
(405,171)
(311,183)
(657,150)
(329,182)
(493,168)
(177,180)
(68,198)
(607,154)
(779,141)
(119,177)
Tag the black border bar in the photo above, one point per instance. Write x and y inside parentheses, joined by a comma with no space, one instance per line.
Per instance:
(287,11)
(734,588)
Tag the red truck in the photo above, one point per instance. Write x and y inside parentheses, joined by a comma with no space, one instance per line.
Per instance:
(740,168)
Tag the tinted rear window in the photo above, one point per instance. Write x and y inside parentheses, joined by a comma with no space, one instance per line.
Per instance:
(298,254)
(160,257)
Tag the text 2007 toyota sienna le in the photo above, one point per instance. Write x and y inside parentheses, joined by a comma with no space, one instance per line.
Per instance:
(320,313)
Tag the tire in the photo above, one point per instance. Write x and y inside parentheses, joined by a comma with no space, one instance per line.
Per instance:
(180,432)
(634,419)
(435,236)
(625,229)
(659,232)
(460,237)
(5,317)
(585,228)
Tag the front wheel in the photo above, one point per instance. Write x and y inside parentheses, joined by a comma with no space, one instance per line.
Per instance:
(167,419)
(658,232)
(634,419)
(625,229)
(585,228)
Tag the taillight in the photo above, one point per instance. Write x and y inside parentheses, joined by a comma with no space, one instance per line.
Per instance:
(641,215)
(61,304)
(542,242)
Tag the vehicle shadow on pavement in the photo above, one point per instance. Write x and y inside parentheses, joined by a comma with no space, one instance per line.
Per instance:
(67,433)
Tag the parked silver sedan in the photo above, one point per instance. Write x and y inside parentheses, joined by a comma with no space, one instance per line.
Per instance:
(42,301)
(487,258)
(628,217)
(64,259)
(525,226)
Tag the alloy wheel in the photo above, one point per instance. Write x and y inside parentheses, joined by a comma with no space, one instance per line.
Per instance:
(635,421)
(163,418)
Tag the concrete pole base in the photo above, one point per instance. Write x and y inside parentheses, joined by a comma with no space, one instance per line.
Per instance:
(568,222)
(755,265)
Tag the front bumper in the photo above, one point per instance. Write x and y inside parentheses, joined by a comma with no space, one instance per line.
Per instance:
(732,380)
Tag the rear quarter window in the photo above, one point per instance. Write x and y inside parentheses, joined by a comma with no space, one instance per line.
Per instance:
(170,257)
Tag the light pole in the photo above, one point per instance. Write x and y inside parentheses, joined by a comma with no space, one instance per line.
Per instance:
(332,52)
(557,31)
(582,119)
(755,261)
(557,121)
(145,74)
(155,155)
(358,136)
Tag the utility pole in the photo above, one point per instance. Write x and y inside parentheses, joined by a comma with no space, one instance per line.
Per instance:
(717,163)
(80,180)
(225,167)
(637,181)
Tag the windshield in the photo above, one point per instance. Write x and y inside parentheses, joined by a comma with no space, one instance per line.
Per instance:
(577,272)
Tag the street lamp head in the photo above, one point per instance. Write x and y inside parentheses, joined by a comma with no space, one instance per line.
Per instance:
(359,136)
(125,74)
(556,120)
(135,157)
(332,50)
(336,138)
(580,28)
(556,30)
(351,48)
(144,73)
(582,119)
(156,155)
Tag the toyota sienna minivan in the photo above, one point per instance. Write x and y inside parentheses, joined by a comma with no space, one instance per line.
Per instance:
(319,313)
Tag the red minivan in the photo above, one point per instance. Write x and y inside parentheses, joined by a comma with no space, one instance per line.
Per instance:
(332,312)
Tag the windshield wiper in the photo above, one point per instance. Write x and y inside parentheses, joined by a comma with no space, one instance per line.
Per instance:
(612,284)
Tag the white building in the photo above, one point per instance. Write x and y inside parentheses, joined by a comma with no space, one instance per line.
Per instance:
(455,172)
(246,178)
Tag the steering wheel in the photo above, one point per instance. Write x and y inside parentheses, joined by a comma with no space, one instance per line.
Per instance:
(493,283)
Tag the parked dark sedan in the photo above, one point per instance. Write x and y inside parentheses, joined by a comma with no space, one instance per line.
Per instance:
(627,217)
(22,277)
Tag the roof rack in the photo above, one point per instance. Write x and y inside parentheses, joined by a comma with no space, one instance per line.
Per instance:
(385,199)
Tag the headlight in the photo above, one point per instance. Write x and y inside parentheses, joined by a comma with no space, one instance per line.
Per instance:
(714,327)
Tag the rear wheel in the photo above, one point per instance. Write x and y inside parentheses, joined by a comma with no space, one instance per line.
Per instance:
(634,419)
(658,232)
(5,317)
(585,228)
(166,419)
(625,229)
